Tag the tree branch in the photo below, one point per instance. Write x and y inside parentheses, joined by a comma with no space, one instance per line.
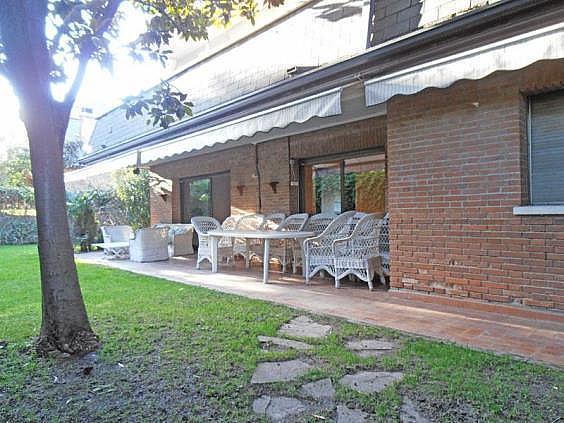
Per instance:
(86,50)
(161,10)
(57,38)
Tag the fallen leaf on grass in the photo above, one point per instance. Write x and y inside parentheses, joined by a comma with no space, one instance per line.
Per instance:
(57,380)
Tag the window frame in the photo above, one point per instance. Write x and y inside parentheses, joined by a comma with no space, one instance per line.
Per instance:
(339,158)
(532,209)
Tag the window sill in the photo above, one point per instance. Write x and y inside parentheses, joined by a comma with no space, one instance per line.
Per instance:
(538,210)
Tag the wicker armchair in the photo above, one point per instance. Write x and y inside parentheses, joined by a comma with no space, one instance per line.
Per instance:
(385,244)
(180,236)
(281,249)
(149,244)
(272,221)
(317,224)
(202,225)
(247,247)
(318,251)
(359,253)
(225,244)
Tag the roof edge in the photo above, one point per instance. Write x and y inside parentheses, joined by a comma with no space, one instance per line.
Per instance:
(370,63)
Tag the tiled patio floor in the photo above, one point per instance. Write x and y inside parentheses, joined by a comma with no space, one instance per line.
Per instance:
(535,335)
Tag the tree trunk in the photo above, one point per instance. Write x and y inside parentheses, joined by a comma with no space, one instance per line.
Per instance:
(65,325)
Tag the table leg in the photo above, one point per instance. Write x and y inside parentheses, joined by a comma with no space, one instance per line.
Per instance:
(265,260)
(214,248)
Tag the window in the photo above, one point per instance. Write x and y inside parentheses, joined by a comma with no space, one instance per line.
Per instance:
(338,185)
(546,149)
(206,196)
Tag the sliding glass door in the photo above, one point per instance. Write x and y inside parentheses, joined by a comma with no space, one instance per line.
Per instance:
(341,184)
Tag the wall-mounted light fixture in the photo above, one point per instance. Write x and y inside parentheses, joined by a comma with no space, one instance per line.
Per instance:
(240,189)
(274,186)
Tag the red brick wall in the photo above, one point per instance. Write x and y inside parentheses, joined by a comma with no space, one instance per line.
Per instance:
(239,162)
(274,166)
(455,173)
(161,208)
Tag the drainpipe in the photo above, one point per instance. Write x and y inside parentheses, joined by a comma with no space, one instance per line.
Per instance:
(257,170)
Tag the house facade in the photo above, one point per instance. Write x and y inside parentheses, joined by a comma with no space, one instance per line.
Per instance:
(448,115)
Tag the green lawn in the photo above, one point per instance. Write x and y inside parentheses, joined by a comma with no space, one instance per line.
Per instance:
(178,353)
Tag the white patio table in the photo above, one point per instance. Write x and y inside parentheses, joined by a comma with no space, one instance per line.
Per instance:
(266,236)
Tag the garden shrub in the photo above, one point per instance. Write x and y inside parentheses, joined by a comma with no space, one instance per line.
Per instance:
(17,230)
(133,190)
(16,200)
(90,209)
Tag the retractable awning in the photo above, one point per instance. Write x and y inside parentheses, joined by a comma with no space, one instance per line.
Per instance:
(325,104)
(100,168)
(510,54)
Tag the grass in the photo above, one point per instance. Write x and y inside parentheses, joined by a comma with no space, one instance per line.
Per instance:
(179,353)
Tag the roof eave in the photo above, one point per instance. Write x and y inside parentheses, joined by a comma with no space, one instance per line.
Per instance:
(499,21)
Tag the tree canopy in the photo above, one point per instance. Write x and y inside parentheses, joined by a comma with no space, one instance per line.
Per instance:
(45,47)
(80,31)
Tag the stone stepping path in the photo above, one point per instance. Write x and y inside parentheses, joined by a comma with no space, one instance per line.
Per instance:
(321,393)
(320,390)
(279,371)
(278,409)
(371,347)
(348,415)
(410,414)
(284,343)
(304,327)
(370,382)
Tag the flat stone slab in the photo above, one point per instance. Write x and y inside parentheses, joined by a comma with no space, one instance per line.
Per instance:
(369,382)
(410,414)
(370,347)
(284,343)
(303,326)
(348,415)
(279,371)
(321,390)
(278,409)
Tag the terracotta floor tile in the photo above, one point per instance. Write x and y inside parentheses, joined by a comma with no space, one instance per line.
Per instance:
(531,334)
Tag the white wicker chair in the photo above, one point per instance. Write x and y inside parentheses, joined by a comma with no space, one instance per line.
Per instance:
(281,249)
(225,244)
(318,251)
(359,254)
(202,225)
(247,247)
(149,244)
(317,224)
(351,224)
(116,233)
(272,221)
(385,244)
